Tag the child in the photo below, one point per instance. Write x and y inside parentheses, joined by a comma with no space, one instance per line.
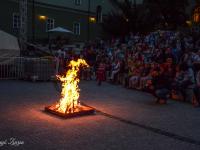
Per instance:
(101,72)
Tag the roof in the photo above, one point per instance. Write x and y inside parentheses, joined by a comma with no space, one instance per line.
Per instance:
(70,4)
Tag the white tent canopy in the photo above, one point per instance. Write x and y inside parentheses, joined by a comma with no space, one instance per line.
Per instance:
(9,46)
(61,30)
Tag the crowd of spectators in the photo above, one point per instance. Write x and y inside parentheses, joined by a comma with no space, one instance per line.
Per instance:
(164,63)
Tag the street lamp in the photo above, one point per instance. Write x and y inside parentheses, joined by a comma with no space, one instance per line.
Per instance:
(92,19)
(42,18)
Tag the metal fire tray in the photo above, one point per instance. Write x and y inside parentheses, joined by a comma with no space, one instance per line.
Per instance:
(82,111)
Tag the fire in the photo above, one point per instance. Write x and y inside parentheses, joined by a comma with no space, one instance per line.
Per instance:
(68,102)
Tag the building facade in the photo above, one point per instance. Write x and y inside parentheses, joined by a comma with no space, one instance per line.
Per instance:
(82,17)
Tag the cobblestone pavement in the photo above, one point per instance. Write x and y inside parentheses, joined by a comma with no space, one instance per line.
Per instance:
(130,120)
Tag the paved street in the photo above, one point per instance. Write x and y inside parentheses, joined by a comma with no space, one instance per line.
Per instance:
(130,120)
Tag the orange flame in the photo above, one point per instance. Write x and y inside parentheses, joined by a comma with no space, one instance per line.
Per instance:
(68,102)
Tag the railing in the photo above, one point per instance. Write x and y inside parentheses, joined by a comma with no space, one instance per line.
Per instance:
(27,68)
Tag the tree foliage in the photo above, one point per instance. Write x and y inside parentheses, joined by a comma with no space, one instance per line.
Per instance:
(168,13)
(123,20)
(152,14)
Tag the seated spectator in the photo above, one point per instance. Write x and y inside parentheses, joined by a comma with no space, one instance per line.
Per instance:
(169,69)
(154,70)
(115,70)
(197,86)
(129,75)
(122,71)
(134,79)
(145,76)
(178,77)
(185,82)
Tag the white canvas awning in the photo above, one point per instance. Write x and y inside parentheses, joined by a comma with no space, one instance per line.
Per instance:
(61,30)
(9,46)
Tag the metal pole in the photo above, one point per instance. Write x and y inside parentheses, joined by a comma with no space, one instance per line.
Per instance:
(33,20)
(135,16)
(23,28)
(88,30)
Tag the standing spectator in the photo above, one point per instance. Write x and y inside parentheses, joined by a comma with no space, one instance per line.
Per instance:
(101,72)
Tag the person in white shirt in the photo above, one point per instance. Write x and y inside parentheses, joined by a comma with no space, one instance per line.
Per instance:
(115,70)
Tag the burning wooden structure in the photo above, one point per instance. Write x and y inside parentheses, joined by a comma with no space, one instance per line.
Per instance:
(69,106)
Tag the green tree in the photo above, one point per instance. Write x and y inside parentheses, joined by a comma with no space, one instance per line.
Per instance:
(122,21)
(167,13)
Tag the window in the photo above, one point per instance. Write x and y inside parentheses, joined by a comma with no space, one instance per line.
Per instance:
(77,2)
(50,24)
(16,21)
(76,28)
(99,14)
(131,1)
(196,15)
